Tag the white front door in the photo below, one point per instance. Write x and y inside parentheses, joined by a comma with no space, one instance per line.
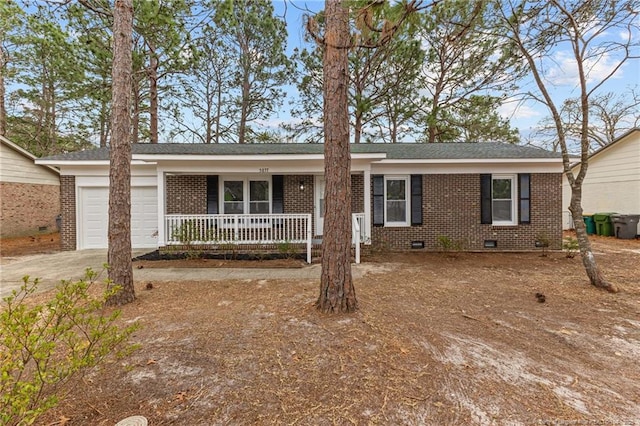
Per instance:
(318,203)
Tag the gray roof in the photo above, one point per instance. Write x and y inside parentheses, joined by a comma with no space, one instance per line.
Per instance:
(422,151)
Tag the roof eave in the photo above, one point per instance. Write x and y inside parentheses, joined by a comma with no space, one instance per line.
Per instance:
(252,157)
(469,160)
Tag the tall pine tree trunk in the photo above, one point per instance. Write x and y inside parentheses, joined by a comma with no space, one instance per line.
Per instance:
(119,257)
(337,293)
(3,110)
(153,94)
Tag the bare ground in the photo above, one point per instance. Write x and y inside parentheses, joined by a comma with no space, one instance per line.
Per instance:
(438,340)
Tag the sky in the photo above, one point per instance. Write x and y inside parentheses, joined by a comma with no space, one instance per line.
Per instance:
(560,70)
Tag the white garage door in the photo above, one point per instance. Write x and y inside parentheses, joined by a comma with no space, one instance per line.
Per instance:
(94,217)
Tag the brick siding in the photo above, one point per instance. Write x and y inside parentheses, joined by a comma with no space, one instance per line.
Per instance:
(451,208)
(26,208)
(357,193)
(295,200)
(186,194)
(68,212)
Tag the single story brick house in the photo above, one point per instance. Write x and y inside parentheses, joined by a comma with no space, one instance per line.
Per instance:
(29,193)
(488,196)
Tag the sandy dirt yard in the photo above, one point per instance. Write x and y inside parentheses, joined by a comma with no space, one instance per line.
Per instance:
(439,339)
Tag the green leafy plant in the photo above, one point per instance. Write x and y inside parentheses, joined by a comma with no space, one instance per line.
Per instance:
(571,246)
(229,250)
(287,249)
(543,241)
(446,244)
(189,232)
(43,346)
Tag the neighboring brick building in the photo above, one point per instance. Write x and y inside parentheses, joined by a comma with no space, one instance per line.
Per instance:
(29,193)
(484,196)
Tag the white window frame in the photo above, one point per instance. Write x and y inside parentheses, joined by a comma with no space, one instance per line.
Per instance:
(246,193)
(514,200)
(407,198)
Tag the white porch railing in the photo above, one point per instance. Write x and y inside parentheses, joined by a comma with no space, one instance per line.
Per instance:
(364,236)
(356,236)
(219,229)
(239,229)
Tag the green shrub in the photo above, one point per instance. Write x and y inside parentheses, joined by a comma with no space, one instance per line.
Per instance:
(287,249)
(447,244)
(43,346)
(571,246)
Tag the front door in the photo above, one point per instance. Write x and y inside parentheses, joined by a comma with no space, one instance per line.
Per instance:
(318,203)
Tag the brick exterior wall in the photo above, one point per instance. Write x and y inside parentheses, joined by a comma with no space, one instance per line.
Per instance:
(68,212)
(296,201)
(451,208)
(357,193)
(186,194)
(26,208)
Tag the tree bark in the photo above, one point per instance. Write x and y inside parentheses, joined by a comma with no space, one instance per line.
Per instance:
(119,255)
(3,110)
(596,277)
(244,108)
(153,93)
(337,293)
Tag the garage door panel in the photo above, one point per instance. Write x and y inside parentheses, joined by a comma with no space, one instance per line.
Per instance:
(94,217)
(144,217)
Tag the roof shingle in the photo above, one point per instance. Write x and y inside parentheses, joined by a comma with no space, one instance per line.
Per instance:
(408,151)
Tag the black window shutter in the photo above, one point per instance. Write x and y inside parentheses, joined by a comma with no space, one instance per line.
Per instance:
(378,200)
(416,199)
(277,203)
(524,197)
(212,194)
(486,215)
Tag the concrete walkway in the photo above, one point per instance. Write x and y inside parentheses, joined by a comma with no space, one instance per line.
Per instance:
(51,268)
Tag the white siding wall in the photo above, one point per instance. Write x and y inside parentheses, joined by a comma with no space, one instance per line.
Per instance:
(612,183)
(15,167)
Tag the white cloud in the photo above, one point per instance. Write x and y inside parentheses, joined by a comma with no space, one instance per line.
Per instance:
(564,70)
(518,111)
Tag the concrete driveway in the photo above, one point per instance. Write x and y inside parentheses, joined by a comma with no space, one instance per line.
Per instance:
(51,268)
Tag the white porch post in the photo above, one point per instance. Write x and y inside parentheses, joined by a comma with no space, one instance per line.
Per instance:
(309,238)
(367,205)
(161,208)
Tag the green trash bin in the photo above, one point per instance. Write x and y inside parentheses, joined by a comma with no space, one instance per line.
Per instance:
(590,224)
(604,226)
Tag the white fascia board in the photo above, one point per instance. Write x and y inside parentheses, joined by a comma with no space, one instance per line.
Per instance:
(71,163)
(272,157)
(468,168)
(471,161)
(103,170)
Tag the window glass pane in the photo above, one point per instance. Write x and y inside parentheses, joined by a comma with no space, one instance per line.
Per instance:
(501,189)
(232,207)
(233,197)
(396,189)
(502,210)
(233,190)
(396,211)
(259,190)
(260,207)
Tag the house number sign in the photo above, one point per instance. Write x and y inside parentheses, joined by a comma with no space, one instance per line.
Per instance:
(263,170)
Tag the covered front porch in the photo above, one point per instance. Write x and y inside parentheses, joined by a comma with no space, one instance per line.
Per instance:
(241,201)
(282,232)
